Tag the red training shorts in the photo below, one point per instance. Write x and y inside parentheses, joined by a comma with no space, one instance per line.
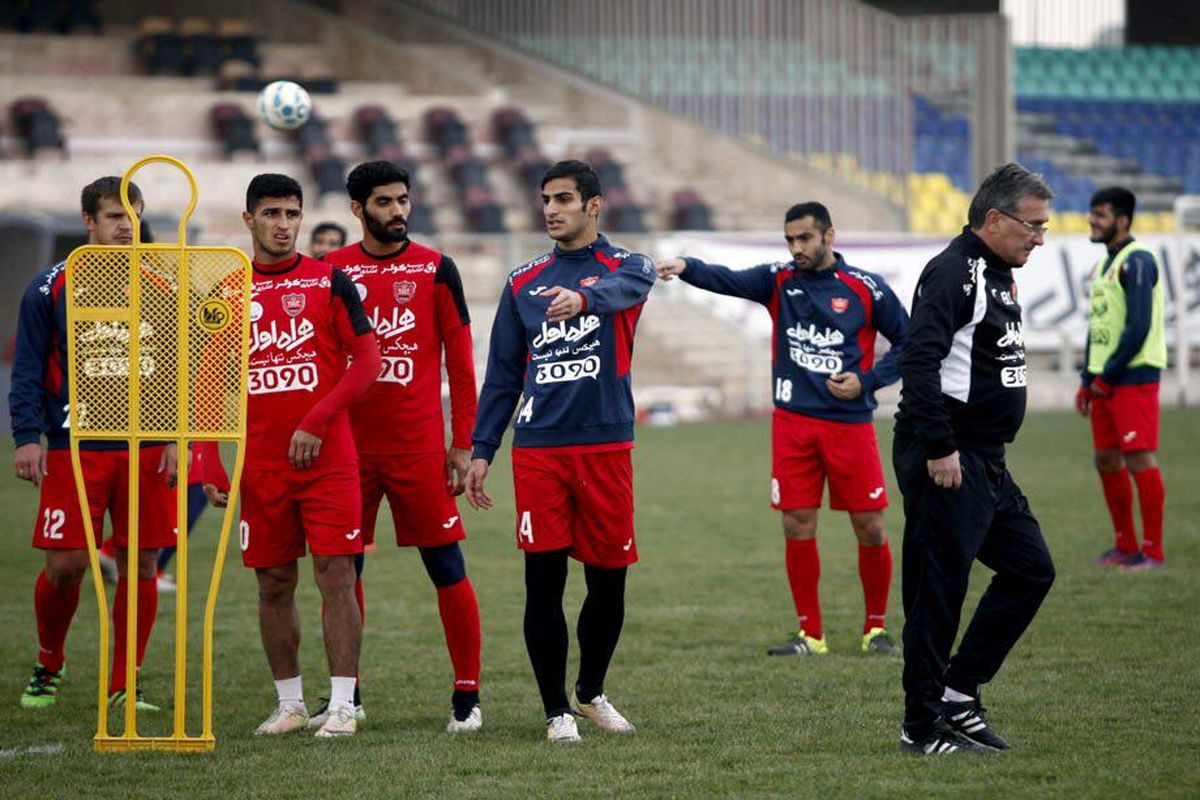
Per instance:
(59,525)
(1126,420)
(806,450)
(423,510)
(577,500)
(284,509)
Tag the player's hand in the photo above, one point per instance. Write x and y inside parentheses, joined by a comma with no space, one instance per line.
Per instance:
(218,498)
(1083,401)
(564,305)
(1101,388)
(844,386)
(169,463)
(945,471)
(29,463)
(458,461)
(668,268)
(476,474)
(304,449)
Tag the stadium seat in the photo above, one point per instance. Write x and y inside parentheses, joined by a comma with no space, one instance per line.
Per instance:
(234,128)
(160,47)
(37,125)
(202,50)
(238,76)
(689,212)
(237,41)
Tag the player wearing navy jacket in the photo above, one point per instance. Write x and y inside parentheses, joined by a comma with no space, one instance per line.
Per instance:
(38,403)
(826,315)
(563,338)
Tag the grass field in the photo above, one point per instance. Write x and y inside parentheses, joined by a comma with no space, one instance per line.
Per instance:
(1100,698)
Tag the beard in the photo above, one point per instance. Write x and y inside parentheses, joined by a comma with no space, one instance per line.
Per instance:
(814,262)
(1106,235)
(380,230)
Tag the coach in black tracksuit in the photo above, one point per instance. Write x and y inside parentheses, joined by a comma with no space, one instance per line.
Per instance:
(963,400)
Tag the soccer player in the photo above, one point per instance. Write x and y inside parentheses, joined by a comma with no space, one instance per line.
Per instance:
(414,298)
(38,404)
(826,315)
(563,337)
(300,480)
(963,400)
(326,237)
(1126,352)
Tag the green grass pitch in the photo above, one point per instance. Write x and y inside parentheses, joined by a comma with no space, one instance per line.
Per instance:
(1100,698)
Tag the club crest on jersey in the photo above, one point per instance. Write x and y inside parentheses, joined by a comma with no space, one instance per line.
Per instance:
(839,304)
(588,281)
(404,291)
(293,304)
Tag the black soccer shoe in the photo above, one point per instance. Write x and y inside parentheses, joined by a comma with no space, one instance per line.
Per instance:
(942,741)
(970,721)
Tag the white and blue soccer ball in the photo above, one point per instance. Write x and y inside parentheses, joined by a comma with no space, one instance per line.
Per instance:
(284,105)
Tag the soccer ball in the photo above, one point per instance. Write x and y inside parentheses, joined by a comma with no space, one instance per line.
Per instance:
(284,105)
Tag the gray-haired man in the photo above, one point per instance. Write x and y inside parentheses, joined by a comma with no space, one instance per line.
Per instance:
(964,377)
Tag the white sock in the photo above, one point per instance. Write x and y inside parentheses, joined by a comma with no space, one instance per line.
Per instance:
(290,690)
(956,697)
(341,691)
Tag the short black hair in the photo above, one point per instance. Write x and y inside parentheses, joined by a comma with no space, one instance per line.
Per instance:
(272,184)
(328,226)
(586,179)
(364,178)
(109,186)
(1122,200)
(817,211)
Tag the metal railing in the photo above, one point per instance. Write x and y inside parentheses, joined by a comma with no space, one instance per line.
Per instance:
(813,78)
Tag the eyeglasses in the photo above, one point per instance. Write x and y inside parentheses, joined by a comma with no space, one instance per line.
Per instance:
(1036,230)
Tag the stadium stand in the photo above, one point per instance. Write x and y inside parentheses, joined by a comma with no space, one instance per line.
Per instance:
(1086,118)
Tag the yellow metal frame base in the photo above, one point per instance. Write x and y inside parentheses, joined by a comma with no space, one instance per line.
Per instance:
(117,744)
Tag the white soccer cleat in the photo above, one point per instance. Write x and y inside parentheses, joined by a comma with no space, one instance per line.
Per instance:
(288,717)
(602,712)
(341,722)
(562,729)
(473,722)
(318,719)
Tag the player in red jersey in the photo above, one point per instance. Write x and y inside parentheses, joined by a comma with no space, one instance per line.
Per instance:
(414,298)
(300,481)
(38,404)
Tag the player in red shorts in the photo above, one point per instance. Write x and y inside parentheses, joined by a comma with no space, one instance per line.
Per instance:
(38,405)
(826,315)
(1126,353)
(563,338)
(414,298)
(300,481)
